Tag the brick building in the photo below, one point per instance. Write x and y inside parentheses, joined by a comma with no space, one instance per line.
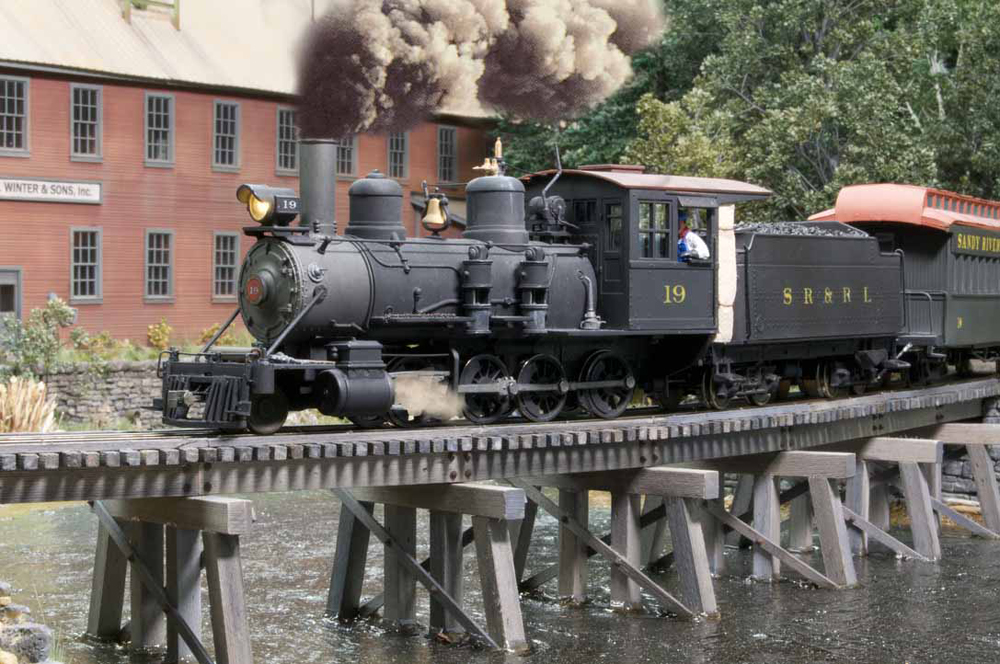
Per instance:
(125,129)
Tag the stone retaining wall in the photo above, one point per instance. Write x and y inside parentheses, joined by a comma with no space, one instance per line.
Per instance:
(106,395)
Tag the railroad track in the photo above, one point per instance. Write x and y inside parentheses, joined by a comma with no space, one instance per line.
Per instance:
(64,439)
(103,465)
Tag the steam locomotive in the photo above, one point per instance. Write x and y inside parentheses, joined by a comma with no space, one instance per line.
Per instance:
(571,302)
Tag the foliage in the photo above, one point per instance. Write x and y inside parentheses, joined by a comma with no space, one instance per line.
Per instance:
(803,97)
(33,345)
(227,339)
(25,406)
(158,334)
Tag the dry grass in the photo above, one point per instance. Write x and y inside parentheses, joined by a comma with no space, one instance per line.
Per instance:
(25,406)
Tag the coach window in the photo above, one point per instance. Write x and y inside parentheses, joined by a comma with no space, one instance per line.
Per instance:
(10,292)
(85,265)
(13,117)
(583,211)
(159,265)
(227,246)
(85,122)
(159,121)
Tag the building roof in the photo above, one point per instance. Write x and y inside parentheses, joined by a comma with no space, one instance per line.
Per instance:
(241,45)
(909,204)
(634,177)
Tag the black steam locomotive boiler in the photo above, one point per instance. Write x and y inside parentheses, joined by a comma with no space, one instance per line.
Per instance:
(570,302)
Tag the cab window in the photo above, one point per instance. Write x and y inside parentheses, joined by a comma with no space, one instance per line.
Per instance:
(654,230)
(698,221)
(613,213)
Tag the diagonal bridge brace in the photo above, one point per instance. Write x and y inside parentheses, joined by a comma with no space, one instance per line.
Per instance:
(418,570)
(603,549)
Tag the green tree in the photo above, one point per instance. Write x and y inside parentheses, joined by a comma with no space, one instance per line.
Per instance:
(804,96)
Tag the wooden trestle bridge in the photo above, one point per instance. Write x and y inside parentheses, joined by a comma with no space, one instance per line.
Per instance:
(167,492)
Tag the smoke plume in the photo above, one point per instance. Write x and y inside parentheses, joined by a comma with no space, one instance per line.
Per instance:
(384,65)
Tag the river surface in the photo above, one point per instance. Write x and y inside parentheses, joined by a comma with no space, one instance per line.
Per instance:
(903,612)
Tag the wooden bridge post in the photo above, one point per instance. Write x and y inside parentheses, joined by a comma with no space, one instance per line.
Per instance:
(446,566)
(767,520)
(652,537)
(918,505)
(625,540)
(493,509)
(858,496)
(742,499)
(715,538)
(572,550)
(108,591)
(523,540)
(800,525)
(184,557)
(148,626)
(349,562)
(400,582)
(219,522)
(688,537)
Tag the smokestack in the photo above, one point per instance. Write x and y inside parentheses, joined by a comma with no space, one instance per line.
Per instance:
(318,184)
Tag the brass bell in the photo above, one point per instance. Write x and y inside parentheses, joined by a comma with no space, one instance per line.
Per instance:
(434,219)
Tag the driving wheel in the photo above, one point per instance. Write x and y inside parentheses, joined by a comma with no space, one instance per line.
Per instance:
(609,400)
(490,405)
(541,405)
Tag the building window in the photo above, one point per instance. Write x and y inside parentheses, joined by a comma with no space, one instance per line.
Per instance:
(399,155)
(346,154)
(159,264)
(159,130)
(85,122)
(85,264)
(227,136)
(13,116)
(288,142)
(447,154)
(10,292)
(224,265)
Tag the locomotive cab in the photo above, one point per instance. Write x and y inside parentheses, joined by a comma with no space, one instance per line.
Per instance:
(633,223)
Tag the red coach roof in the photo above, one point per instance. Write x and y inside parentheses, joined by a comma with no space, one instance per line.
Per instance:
(908,204)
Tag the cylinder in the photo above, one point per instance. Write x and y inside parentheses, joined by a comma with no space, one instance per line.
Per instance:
(318,184)
(495,208)
(376,208)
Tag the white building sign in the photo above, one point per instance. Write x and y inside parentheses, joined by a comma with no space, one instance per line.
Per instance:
(50,191)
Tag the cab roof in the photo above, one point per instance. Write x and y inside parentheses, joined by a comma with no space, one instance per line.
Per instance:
(634,177)
(909,204)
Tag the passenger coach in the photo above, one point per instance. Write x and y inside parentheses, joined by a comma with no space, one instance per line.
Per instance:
(951,249)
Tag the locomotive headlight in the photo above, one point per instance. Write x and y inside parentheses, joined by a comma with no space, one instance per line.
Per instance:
(268,205)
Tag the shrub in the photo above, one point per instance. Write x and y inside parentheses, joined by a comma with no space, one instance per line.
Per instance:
(25,406)
(33,345)
(227,339)
(159,334)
